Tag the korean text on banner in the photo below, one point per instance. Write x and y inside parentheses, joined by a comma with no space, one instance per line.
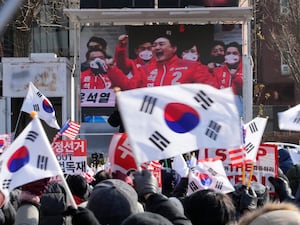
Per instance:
(71,155)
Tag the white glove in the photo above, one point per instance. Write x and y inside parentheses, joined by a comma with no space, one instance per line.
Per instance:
(99,64)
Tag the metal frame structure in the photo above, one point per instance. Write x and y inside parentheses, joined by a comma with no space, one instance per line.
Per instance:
(146,16)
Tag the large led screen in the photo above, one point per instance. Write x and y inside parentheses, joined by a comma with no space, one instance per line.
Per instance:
(215,49)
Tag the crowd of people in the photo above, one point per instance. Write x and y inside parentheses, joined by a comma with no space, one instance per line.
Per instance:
(112,198)
(116,199)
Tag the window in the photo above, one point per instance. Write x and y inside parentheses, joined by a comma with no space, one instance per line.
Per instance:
(285,69)
(284,7)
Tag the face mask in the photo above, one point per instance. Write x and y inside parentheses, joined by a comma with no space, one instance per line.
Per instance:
(232,59)
(145,55)
(190,56)
(218,59)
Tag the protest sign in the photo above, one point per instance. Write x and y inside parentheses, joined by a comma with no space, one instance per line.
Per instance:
(71,155)
(266,164)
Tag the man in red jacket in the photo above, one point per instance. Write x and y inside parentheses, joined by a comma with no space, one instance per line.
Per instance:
(167,69)
(101,68)
(95,77)
(231,73)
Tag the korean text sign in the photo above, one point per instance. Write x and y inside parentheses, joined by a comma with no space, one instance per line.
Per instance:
(71,155)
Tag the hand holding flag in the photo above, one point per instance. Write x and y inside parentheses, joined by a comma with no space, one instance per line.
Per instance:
(23,162)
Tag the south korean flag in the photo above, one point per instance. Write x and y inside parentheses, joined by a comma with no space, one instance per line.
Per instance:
(165,121)
(29,158)
(290,119)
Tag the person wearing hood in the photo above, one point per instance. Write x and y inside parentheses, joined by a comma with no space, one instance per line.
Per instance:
(273,213)
(285,160)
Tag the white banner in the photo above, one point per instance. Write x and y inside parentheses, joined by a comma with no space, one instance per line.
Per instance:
(97,98)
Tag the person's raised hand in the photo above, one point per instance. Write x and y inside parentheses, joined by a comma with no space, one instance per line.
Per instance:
(282,188)
(248,199)
(36,187)
(123,39)
(144,183)
(244,198)
(32,191)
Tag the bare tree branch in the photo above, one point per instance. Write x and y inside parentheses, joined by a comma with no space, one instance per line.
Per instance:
(283,26)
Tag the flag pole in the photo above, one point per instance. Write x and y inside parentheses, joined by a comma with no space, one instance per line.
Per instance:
(58,134)
(242,146)
(70,197)
(33,114)
(243,173)
(251,174)
(68,192)
(17,124)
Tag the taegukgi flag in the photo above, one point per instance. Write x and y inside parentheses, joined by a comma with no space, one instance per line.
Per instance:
(5,140)
(209,174)
(36,101)
(254,132)
(29,158)
(290,119)
(165,121)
